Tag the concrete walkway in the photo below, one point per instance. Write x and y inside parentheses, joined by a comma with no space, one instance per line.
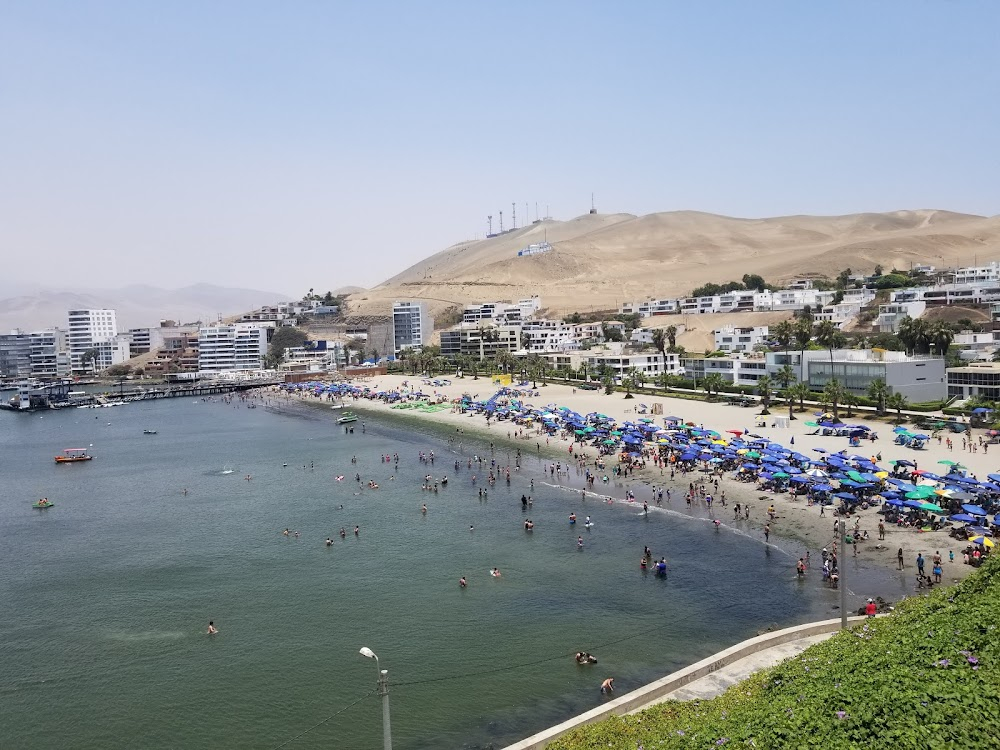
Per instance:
(716,683)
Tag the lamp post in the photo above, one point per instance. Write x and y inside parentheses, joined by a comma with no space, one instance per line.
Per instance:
(383,690)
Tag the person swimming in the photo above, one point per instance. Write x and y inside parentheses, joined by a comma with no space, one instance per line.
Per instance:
(462,583)
(572,517)
(329,542)
(285,532)
(579,542)
(212,630)
(423,509)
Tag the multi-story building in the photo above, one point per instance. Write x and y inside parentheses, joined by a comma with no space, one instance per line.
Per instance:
(412,326)
(179,353)
(87,329)
(920,378)
(890,315)
(49,354)
(738,369)
(745,339)
(232,347)
(650,307)
(545,336)
(15,355)
(479,341)
(314,356)
(622,363)
(980,379)
(507,312)
(972,274)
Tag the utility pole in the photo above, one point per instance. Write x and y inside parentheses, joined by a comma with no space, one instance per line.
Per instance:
(383,690)
(490,220)
(513,214)
(501,222)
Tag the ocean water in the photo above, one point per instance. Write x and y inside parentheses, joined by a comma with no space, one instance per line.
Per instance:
(105,598)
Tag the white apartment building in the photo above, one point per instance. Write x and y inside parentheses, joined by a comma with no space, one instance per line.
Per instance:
(975,274)
(950,294)
(87,329)
(49,355)
(509,312)
(412,326)
(479,341)
(232,347)
(745,339)
(543,336)
(737,369)
(890,315)
(651,365)
(792,299)
(648,308)
(315,356)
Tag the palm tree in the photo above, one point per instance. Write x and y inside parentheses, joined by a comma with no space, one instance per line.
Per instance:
(800,391)
(941,335)
(898,402)
(665,380)
(712,382)
(532,365)
(834,394)
(671,334)
(584,372)
(850,401)
(878,392)
(803,334)
(783,334)
(829,337)
(660,343)
(764,386)
(785,376)
(788,393)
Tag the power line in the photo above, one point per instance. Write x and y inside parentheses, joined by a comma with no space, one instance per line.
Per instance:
(331,716)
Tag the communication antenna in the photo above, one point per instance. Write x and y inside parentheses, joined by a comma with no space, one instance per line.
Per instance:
(513,214)
(536,210)
(501,222)
(527,215)
(592,209)
(490,220)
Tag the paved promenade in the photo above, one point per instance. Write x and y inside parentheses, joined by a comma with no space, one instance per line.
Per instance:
(716,683)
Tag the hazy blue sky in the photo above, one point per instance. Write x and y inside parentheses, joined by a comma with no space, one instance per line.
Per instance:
(283,145)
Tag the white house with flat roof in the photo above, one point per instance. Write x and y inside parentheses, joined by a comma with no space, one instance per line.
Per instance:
(739,339)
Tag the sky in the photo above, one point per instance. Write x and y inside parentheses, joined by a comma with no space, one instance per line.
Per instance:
(283,146)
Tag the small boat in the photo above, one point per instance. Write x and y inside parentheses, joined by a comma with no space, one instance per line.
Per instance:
(42,506)
(73,455)
(149,432)
(347,417)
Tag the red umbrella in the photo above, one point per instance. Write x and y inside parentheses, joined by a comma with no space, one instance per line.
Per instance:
(735,432)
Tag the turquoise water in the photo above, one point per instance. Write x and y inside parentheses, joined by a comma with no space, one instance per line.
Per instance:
(105,598)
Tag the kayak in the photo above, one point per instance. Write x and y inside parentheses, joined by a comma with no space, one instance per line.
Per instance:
(42,506)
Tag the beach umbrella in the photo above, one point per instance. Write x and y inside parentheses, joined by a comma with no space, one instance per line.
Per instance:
(924,505)
(984,541)
(800,480)
(845,496)
(964,497)
(963,517)
(820,450)
(974,510)
(948,462)
(902,462)
(895,503)
(823,488)
(994,477)
(780,475)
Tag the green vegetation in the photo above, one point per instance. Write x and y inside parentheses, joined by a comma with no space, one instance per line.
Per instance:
(927,676)
(285,337)
(750,281)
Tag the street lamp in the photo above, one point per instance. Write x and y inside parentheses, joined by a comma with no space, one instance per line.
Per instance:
(383,690)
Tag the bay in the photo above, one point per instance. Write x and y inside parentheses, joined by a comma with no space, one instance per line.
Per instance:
(105,598)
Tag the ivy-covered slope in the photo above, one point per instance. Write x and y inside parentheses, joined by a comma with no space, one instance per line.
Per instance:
(927,676)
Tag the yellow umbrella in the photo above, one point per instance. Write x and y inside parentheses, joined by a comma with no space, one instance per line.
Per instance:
(942,493)
(881,474)
(983,540)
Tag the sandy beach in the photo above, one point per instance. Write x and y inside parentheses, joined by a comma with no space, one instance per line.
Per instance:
(795,518)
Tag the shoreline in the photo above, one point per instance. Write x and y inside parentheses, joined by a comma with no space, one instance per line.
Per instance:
(795,521)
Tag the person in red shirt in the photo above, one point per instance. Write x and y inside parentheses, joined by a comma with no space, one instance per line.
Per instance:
(870,608)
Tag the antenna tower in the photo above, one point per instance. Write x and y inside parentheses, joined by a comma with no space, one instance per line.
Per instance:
(501,222)
(592,209)
(513,214)
(490,220)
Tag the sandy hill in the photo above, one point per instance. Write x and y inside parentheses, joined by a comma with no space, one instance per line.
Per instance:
(598,261)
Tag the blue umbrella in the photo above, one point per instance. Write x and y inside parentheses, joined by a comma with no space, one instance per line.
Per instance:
(823,488)
(963,517)
(994,477)
(895,503)
(974,510)
(820,450)
(845,496)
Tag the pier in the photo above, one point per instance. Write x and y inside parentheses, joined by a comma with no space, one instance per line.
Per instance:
(32,398)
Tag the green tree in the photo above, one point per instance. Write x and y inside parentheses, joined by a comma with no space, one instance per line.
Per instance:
(788,393)
(801,391)
(713,383)
(764,387)
(660,343)
(833,394)
(755,282)
(850,401)
(878,392)
(286,337)
(844,278)
(671,334)
(941,335)
(803,334)
(782,334)
(898,402)
(785,376)
(829,337)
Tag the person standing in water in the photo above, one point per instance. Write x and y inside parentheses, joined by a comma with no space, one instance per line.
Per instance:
(212,630)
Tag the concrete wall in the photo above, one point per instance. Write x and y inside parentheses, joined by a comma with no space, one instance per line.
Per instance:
(639,698)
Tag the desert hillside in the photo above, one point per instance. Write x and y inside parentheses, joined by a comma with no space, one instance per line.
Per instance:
(598,261)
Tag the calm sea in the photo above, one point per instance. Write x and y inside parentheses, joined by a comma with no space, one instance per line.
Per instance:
(105,598)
